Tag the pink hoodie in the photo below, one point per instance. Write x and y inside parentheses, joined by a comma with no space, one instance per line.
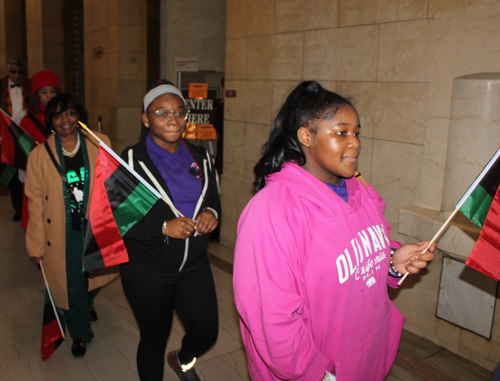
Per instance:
(310,281)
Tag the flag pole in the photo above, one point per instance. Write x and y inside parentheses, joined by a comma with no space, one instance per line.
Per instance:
(445,225)
(461,202)
(85,127)
(52,300)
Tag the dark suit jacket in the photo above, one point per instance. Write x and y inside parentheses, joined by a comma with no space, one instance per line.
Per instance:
(4,83)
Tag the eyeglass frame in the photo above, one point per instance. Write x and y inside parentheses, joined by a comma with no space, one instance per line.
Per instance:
(12,71)
(170,114)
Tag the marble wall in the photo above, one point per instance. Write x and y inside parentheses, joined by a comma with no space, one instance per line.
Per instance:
(45,37)
(12,33)
(397,60)
(373,51)
(192,28)
(115,66)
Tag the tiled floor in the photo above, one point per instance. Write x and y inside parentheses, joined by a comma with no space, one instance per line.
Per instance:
(111,356)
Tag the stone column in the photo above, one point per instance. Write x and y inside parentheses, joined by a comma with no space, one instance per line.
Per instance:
(474,133)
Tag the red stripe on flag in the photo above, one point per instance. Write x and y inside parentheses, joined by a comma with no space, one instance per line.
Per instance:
(50,334)
(106,233)
(108,163)
(8,152)
(485,256)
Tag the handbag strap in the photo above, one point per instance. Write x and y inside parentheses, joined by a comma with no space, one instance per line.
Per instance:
(39,125)
(56,164)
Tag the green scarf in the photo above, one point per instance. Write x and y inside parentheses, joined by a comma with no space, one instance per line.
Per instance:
(66,191)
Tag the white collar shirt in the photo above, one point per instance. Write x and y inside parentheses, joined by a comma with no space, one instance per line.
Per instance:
(16,97)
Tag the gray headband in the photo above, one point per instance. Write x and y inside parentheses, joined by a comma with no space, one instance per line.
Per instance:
(160,90)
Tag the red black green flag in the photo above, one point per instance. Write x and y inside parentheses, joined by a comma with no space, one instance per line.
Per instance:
(16,143)
(52,335)
(481,204)
(120,198)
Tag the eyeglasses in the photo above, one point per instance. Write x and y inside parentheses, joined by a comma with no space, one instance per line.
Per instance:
(17,71)
(166,115)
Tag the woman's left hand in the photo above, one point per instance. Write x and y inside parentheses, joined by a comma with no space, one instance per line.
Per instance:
(409,257)
(206,222)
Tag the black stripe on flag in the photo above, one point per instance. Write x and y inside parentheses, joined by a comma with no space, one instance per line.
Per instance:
(491,181)
(93,255)
(119,185)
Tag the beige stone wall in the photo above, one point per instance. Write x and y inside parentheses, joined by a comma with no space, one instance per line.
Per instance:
(45,37)
(116,82)
(373,51)
(397,60)
(192,28)
(11,32)
(3,47)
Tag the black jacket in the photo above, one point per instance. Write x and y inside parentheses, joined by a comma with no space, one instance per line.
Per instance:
(146,245)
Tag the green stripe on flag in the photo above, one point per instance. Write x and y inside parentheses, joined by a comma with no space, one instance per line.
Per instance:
(26,144)
(135,206)
(8,173)
(476,207)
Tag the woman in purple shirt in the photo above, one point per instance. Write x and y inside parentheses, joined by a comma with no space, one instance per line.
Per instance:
(168,268)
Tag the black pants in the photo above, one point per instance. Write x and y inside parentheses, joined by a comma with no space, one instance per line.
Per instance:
(16,194)
(154,295)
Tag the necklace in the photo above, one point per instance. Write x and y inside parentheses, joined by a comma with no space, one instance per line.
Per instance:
(66,153)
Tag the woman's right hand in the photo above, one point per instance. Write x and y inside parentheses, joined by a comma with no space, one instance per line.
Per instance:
(36,259)
(181,228)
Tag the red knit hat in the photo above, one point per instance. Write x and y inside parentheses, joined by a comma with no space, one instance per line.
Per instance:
(44,78)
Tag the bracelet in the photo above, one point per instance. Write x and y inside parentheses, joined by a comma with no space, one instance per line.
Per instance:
(392,270)
(164,227)
(214,212)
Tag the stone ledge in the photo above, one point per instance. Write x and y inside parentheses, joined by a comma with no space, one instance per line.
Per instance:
(457,240)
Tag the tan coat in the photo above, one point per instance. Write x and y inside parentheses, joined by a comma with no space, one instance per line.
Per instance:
(45,235)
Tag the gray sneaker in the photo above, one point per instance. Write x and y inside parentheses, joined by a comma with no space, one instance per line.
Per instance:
(188,375)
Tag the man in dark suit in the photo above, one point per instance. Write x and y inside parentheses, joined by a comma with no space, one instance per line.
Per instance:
(14,96)
(15,90)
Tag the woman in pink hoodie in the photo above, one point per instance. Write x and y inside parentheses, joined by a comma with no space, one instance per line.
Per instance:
(313,255)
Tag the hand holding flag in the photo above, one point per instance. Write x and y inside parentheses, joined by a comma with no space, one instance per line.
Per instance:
(481,204)
(412,258)
(120,198)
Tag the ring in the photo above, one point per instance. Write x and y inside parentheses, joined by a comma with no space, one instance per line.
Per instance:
(189,232)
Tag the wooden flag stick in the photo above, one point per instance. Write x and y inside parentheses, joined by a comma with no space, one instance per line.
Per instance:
(436,236)
(85,127)
(152,178)
(52,300)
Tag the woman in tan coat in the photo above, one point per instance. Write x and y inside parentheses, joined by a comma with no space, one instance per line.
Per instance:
(58,185)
